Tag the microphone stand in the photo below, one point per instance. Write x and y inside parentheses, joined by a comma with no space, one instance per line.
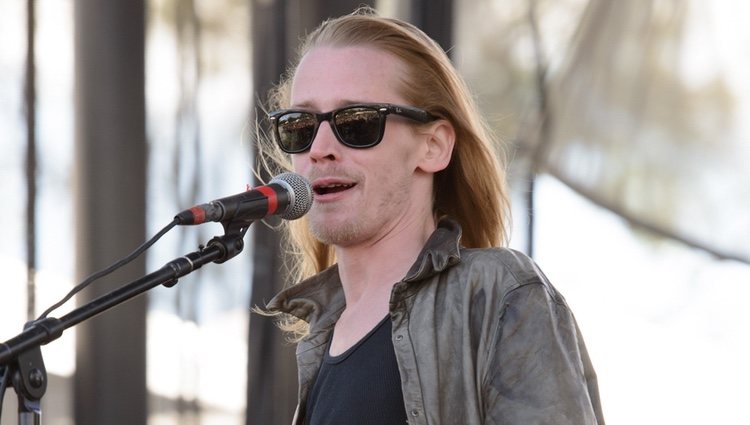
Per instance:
(22,355)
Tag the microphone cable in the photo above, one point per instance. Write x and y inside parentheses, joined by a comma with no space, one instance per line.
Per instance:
(5,370)
(101,273)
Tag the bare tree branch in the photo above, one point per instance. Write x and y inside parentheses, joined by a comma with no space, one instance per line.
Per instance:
(637,221)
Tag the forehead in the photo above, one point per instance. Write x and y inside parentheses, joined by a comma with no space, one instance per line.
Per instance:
(328,77)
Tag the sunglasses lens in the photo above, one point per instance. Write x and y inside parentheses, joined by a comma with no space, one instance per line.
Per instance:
(359,127)
(295,131)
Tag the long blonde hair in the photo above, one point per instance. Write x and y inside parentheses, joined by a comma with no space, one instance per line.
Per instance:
(471,189)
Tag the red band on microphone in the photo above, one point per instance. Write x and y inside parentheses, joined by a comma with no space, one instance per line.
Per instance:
(199,215)
(273,201)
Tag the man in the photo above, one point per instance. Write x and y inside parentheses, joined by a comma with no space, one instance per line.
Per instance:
(409,311)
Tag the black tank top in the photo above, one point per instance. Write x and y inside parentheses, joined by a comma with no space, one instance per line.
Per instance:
(361,386)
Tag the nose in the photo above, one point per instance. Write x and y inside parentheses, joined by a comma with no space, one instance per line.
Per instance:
(325,146)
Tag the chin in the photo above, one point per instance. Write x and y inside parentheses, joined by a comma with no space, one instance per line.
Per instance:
(334,232)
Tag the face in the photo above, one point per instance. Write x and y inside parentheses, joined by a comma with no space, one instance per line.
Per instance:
(361,195)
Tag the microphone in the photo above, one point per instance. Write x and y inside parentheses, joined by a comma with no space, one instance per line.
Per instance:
(288,195)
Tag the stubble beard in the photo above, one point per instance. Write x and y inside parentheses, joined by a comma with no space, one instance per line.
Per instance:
(344,224)
(339,234)
(360,225)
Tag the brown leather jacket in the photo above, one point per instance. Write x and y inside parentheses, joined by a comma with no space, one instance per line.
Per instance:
(481,337)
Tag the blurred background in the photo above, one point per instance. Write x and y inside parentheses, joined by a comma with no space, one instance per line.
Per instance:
(627,125)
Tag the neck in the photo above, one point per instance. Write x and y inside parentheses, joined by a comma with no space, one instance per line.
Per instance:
(373,268)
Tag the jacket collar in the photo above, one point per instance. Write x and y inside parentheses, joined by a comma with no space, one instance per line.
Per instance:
(440,251)
(319,299)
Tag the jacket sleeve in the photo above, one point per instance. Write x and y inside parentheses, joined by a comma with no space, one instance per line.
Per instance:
(539,371)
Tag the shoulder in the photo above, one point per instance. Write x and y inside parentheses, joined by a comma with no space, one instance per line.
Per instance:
(502,271)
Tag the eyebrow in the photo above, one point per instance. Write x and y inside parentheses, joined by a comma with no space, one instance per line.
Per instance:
(342,103)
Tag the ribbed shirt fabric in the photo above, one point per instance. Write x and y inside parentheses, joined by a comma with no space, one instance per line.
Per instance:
(361,386)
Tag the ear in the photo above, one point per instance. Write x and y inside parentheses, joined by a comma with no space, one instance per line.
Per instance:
(440,137)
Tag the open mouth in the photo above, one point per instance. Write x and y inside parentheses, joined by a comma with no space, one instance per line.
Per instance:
(331,188)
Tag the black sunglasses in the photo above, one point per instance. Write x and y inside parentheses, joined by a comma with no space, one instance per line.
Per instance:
(357,126)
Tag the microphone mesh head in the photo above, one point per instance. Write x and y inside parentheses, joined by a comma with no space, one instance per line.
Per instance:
(300,192)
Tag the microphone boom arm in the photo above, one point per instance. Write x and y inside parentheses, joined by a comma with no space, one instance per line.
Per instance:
(20,356)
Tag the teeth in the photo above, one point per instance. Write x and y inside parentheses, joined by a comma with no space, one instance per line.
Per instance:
(330,186)
(333,187)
